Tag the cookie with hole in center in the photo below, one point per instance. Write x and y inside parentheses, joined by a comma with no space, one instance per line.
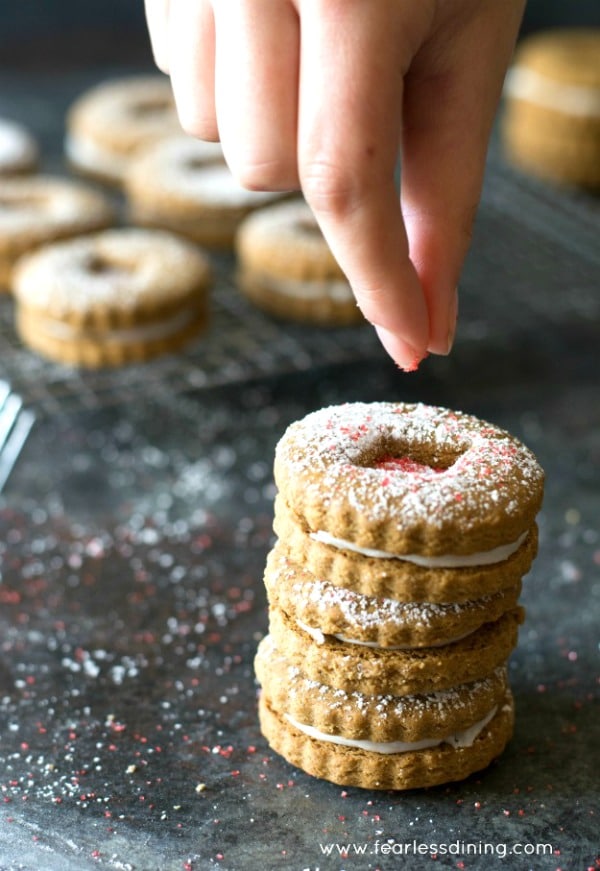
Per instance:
(426,485)
(108,124)
(112,298)
(38,209)
(286,268)
(184,185)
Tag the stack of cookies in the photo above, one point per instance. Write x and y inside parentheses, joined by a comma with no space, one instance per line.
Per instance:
(403,534)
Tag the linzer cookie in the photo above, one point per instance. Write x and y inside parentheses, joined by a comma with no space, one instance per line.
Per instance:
(323,609)
(380,716)
(109,123)
(39,209)
(407,580)
(287,268)
(185,186)
(111,298)
(389,765)
(434,487)
(404,532)
(551,123)
(354,667)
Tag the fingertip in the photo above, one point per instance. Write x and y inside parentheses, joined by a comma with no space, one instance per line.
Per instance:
(402,352)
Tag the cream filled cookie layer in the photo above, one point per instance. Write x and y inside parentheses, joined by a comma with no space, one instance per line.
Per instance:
(464,738)
(408,479)
(523,83)
(444,561)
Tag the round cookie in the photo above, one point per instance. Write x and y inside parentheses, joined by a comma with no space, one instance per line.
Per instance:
(286,268)
(378,716)
(322,608)
(111,298)
(434,487)
(356,668)
(18,149)
(108,124)
(40,209)
(361,765)
(551,122)
(184,185)
(394,577)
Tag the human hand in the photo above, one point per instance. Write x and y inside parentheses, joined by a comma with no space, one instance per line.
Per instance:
(321,95)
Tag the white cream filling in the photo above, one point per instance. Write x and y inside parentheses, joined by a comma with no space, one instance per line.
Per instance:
(446,561)
(89,155)
(338,291)
(464,738)
(319,636)
(144,333)
(525,84)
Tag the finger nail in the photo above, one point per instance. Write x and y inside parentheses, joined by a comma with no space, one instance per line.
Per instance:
(407,357)
(452,316)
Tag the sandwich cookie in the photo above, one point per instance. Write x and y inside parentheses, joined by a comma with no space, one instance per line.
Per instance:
(551,122)
(286,268)
(399,671)
(108,124)
(184,185)
(324,609)
(112,298)
(39,209)
(425,485)
(389,765)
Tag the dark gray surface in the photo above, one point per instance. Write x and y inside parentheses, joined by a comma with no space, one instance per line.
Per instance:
(133,535)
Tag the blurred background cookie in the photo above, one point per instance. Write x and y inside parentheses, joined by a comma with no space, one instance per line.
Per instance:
(112,298)
(287,268)
(551,123)
(18,149)
(41,209)
(109,123)
(184,185)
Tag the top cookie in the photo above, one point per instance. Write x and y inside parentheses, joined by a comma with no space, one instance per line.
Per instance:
(396,479)
(110,122)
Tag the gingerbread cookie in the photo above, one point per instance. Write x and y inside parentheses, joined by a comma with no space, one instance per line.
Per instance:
(18,149)
(112,298)
(108,124)
(40,209)
(551,123)
(404,531)
(323,608)
(389,765)
(355,667)
(184,185)
(287,268)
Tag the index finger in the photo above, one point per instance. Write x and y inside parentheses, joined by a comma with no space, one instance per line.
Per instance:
(350,106)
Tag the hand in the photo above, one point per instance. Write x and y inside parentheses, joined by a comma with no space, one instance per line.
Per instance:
(322,95)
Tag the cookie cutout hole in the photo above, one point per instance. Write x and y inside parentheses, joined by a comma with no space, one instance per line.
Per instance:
(199,164)
(398,459)
(309,228)
(152,108)
(97,265)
